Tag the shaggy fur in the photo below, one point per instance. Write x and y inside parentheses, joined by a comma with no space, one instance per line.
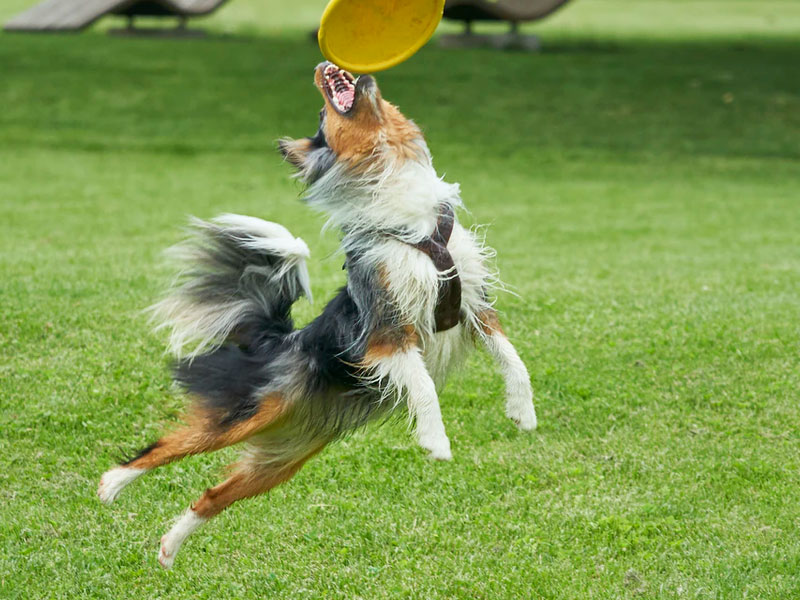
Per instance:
(286,393)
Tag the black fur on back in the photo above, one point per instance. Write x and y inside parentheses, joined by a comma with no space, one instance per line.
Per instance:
(318,364)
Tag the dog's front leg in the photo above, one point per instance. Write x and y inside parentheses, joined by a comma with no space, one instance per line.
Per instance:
(423,403)
(519,394)
(405,373)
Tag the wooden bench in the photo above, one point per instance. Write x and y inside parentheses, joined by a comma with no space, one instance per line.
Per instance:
(74,15)
(511,11)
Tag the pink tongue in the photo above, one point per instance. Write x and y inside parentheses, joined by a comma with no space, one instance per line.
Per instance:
(346,98)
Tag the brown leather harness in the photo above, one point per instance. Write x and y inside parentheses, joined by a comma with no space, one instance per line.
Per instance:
(448,305)
(447,312)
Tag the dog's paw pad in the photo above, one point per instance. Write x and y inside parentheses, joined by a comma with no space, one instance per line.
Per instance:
(438,447)
(523,414)
(166,558)
(103,492)
(444,454)
(108,489)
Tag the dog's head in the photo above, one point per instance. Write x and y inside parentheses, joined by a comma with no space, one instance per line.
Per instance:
(357,128)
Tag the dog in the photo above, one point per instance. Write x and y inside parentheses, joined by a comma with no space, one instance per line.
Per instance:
(418,296)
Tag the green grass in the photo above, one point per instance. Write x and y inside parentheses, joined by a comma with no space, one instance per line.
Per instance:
(641,179)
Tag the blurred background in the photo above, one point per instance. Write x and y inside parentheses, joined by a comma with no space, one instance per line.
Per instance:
(639,175)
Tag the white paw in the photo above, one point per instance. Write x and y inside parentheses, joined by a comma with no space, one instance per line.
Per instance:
(438,446)
(172,540)
(521,411)
(167,552)
(113,481)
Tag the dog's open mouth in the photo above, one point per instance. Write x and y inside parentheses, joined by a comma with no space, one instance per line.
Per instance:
(340,87)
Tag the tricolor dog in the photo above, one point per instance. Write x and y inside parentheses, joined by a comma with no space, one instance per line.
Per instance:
(418,296)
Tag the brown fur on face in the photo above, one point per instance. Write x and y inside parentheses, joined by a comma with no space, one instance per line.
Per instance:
(373,130)
(372,125)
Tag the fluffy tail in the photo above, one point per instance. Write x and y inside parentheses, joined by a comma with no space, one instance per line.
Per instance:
(240,275)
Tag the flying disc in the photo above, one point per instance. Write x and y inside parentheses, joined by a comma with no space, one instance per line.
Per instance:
(372,35)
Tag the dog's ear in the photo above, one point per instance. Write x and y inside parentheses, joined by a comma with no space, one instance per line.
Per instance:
(295,151)
(310,156)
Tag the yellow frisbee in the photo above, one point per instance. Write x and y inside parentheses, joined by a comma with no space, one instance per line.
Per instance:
(372,35)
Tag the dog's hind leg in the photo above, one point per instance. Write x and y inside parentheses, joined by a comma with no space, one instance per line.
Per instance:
(251,478)
(203,432)
(519,395)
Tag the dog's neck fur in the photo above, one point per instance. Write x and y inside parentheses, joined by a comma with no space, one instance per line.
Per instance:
(399,196)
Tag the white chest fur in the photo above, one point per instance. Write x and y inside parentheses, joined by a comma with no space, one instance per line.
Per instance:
(412,282)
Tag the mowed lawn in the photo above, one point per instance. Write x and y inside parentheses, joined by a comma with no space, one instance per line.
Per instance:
(641,180)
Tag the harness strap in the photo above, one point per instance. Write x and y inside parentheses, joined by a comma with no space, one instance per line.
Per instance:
(448,305)
(447,312)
